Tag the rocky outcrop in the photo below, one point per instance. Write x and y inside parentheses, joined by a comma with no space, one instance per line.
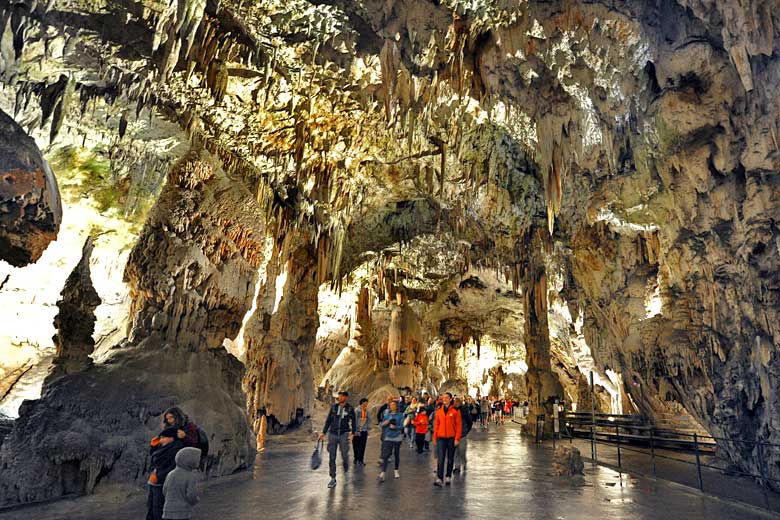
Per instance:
(75,322)
(63,445)
(190,274)
(192,271)
(30,207)
(567,461)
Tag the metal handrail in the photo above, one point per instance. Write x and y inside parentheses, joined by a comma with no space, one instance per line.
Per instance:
(608,432)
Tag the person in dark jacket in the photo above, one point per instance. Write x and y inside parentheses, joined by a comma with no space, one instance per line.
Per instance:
(186,430)
(340,428)
(466,423)
(363,420)
(163,449)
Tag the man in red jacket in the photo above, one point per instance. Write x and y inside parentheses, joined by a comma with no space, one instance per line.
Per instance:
(446,435)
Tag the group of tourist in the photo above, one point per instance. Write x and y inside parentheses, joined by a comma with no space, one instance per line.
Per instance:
(419,420)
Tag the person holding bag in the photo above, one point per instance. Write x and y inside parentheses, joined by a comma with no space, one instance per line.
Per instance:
(340,428)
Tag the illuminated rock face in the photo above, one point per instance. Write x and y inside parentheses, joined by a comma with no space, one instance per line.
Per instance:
(30,208)
(405,346)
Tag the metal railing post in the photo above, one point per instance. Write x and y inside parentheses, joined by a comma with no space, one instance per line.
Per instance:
(652,452)
(764,481)
(593,417)
(698,460)
(617,433)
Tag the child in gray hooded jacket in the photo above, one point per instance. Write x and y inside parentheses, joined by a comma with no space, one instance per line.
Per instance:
(180,490)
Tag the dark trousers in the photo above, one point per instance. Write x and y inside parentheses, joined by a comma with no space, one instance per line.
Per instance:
(154,503)
(359,445)
(419,440)
(445,449)
(390,448)
(342,443)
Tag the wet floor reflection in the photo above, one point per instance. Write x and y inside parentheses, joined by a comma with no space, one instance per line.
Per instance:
(508,477)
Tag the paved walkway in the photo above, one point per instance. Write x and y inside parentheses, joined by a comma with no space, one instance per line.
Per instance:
(508,478)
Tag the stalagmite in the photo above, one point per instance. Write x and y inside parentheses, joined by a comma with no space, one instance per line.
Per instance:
(75,321)
(404,345)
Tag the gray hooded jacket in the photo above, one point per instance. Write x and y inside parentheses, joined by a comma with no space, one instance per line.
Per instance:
(179,488)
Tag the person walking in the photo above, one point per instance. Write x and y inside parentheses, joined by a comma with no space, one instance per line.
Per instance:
(409,414)
(361,432)
(340,428)
(466,423)
(473,410)
(393,423)
(446,435)
(421,429)
(484,411)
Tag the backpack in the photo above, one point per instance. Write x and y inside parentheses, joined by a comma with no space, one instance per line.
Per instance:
(203,446)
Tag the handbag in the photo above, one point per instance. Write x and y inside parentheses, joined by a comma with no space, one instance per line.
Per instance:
(316,458)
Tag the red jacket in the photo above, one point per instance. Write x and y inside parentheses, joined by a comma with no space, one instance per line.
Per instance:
(421,423)
(447,425)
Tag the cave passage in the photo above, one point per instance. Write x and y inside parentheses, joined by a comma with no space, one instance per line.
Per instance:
(244,208)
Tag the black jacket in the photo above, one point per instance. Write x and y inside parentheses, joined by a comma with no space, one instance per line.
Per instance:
(381,413)
(163,458)
(465,421)
(338,423)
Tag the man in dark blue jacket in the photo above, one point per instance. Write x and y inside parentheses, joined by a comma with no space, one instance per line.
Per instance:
(466,424)
(340,428)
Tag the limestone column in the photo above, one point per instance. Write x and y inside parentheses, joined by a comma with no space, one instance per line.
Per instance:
(541,382)
(280,337)
(404,346)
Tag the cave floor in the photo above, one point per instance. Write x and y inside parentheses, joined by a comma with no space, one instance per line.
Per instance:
(508,477)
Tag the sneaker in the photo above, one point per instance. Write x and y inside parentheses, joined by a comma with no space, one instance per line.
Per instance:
(397,474)
(456,470)
(447,481)
(381,477)
(332,483)
(437,482)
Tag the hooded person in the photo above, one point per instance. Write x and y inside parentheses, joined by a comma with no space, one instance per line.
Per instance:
(180,488)
(162,450)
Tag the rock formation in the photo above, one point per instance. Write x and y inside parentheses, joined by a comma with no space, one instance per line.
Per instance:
(187,289)
(404,346)
(75,322)
(567,461)
(30,208)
